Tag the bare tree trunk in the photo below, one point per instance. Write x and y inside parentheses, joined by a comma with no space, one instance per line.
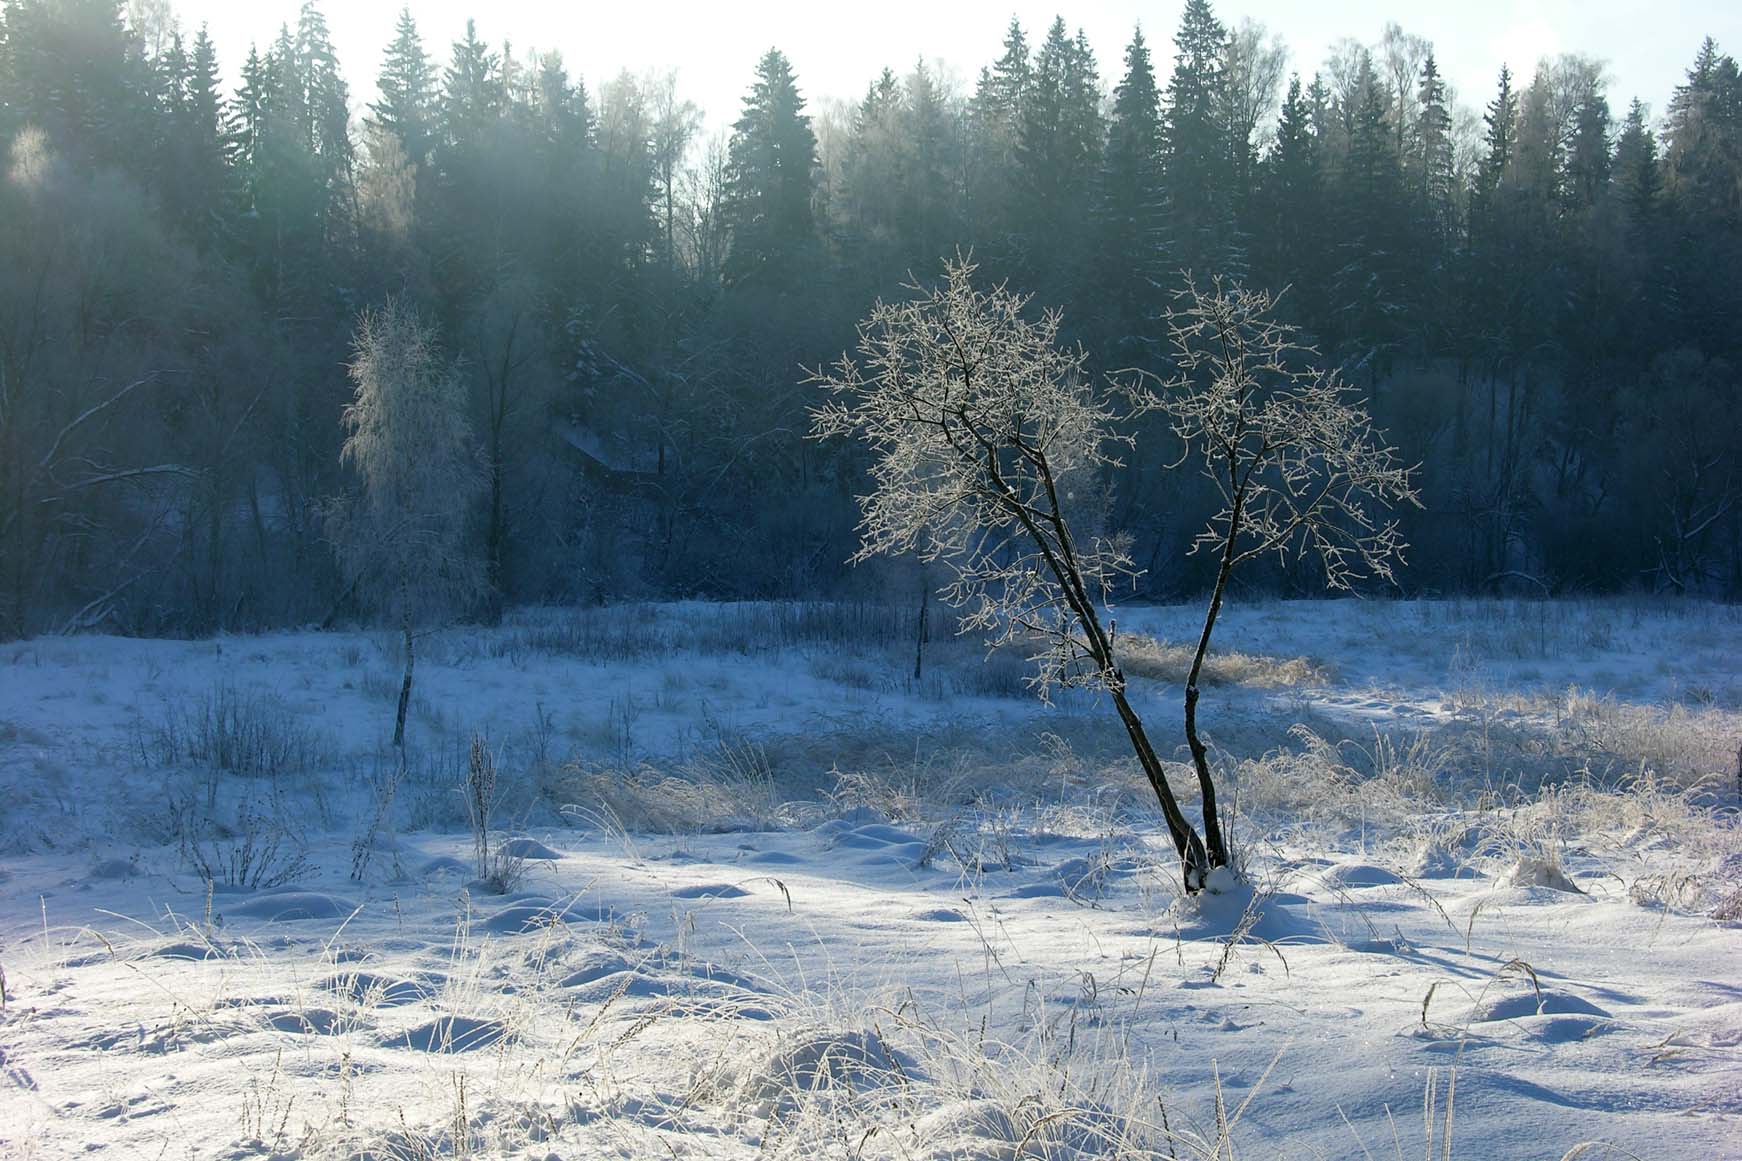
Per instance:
(921,635)
(1218,849)
(405,686)
(496,534)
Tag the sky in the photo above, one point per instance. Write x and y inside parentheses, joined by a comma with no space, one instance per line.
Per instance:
(836,49)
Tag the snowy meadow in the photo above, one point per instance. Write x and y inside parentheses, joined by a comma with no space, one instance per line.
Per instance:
(786,880)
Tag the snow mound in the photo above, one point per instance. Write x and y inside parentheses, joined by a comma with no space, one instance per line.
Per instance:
(527,848)
(710,891)
(305,1021)
(536,912)
(1227,908)
(816,1063)
(450,1034)
(618,985)
(879,843)
(286,906)
(1348,876)
(1531,872)
(189,950)
(596,967)
(940,915)
(375,990)
(971,1130)
(1521,1003)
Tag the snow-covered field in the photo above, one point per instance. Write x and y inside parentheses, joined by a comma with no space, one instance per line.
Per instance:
(753,889)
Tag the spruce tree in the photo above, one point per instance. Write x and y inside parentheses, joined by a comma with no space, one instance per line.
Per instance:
(325,102)
(207,181)
(1501,120)
(995,118)
(472,93)
(1703,138)
(770,179)
(1370,291)
(1588,159)
(1290,220)
(929,213)
(406,107)
(1638,177)
(1197,157)
(1434,163)
(1134,253)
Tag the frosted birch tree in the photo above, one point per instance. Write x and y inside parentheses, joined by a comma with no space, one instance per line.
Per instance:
(401,541)
(985,434)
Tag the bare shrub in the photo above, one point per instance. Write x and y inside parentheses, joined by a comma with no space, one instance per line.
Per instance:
(384,786)
(253,850)
(500,868)
(232,732)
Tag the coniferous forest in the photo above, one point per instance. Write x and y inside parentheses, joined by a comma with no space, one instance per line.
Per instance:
(1536,288)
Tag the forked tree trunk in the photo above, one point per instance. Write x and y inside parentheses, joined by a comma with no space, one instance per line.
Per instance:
(1195,865)
(1194,861)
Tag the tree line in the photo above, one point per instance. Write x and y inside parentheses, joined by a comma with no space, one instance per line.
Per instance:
(1537,298)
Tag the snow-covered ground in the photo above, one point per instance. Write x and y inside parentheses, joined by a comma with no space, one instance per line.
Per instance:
(768,894)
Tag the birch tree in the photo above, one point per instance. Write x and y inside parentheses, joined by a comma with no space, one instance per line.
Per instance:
(401,541)
(985,435)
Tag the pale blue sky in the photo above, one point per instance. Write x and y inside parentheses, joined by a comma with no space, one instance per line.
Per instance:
(837,48)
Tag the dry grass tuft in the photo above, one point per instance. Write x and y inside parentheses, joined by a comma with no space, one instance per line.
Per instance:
(1163,661)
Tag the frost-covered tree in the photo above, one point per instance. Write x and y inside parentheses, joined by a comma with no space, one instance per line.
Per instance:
(1294,458)
(401,541)
(985,436)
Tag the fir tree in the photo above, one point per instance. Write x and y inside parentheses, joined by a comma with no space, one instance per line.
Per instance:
(1434,163)
(1058,147)
(1197,152)
(1134,251)
(1290,222)
(770,179)
(1588,159)
(995,115)
(925,126)
(472,94)
(1638,177)
(1501,138)
(407,83)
